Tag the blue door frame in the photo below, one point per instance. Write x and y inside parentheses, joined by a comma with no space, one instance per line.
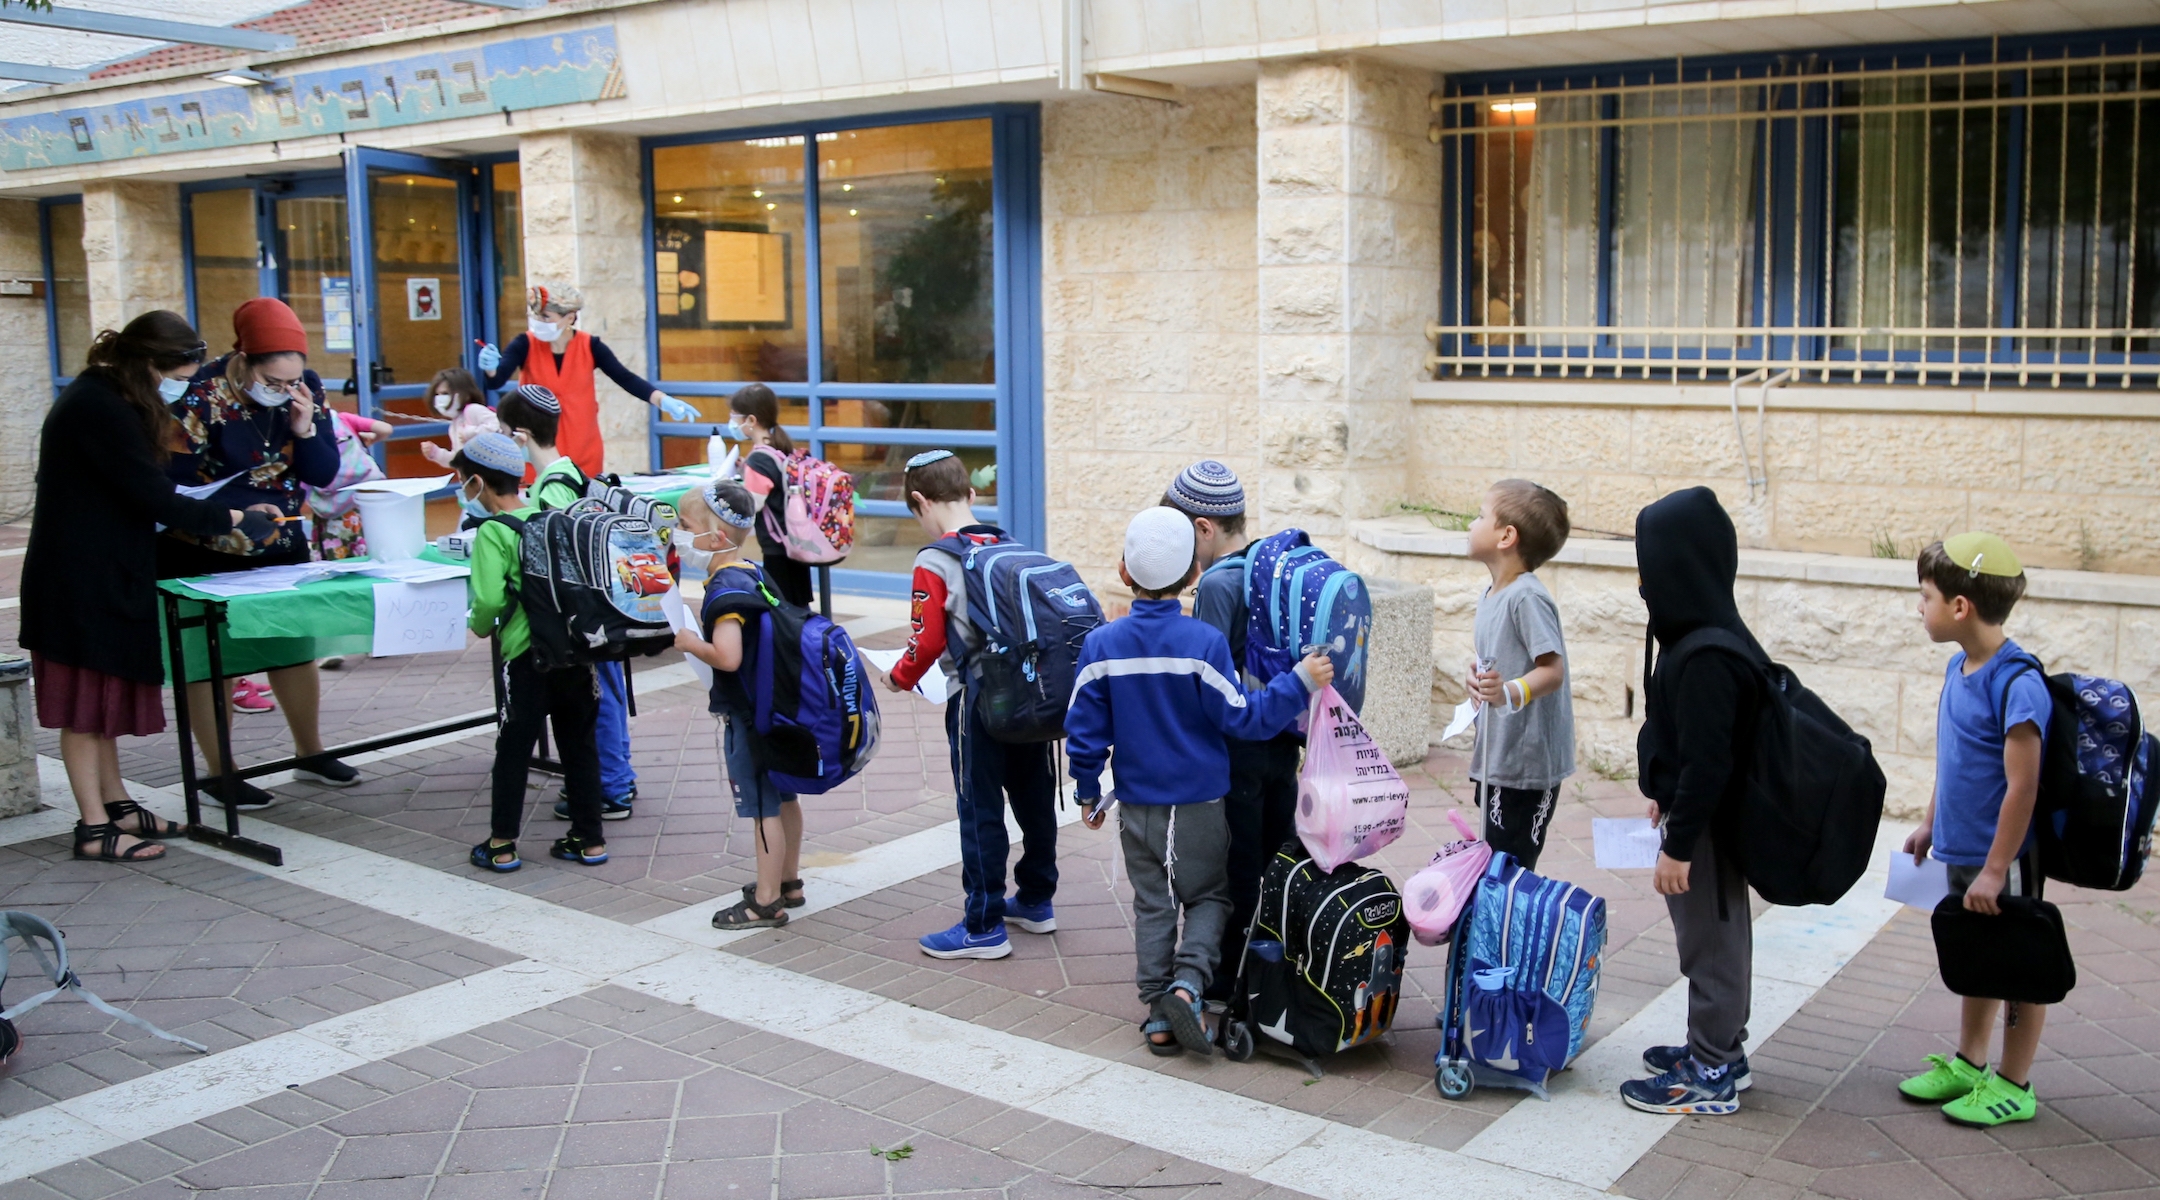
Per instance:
(1016,248)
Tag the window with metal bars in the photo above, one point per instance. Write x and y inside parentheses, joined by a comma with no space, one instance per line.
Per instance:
(1971,214)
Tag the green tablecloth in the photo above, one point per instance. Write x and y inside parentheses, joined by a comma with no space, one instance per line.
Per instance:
(280,629)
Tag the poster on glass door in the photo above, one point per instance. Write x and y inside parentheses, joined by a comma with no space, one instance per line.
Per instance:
(337,314)
(423,299)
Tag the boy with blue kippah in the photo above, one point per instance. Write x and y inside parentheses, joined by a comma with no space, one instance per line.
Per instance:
(1990,726)
(1261,805)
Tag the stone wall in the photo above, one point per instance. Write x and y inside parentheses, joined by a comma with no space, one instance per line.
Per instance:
(1847,626)
(131,245)
(25,357)
(584,212)
(1149,307)
(2077,490)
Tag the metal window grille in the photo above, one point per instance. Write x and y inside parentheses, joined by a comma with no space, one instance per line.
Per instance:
(1977,216)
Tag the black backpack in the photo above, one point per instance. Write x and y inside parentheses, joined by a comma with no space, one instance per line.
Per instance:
(1814,794)
(1324,961)
(1033,613)
(593,579)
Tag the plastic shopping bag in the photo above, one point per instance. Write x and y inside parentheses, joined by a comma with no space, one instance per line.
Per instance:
(1435,896)
(1351,803)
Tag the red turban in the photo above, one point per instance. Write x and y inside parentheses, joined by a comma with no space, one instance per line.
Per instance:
(267,326)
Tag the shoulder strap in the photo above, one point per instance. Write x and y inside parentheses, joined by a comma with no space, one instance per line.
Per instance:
(2023,664)
(515,524)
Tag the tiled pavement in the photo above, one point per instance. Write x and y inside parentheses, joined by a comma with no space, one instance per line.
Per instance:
(615,1092)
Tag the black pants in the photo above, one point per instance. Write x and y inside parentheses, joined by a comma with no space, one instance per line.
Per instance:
(1261,810)
(789,578)
(530,696)
(1516,819)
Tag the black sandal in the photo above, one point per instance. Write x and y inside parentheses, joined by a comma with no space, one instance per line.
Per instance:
(749,914)
(749,891)
(108,836)
(147,824)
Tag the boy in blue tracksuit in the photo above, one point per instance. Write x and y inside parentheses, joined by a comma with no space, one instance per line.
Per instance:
(1160,687)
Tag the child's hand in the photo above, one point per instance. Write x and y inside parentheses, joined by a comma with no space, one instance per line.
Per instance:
(688,642)
(1093,818)
(1980,897)
(1318,668)
(1919,842)
(435,454)
(1671,878)
(892,684)
(1486,686)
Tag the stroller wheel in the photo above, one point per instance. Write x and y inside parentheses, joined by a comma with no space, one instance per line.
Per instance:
(1453,1079)
(1237,1041)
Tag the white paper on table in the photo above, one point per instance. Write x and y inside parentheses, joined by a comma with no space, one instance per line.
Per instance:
(933,686)
(1465,713)
(406,487)
(260,580)
(1922,884)
(419,618)
(414,570)
(1624,843)
(642,484)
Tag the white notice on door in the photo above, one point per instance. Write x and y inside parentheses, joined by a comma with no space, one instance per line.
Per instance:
(419,618)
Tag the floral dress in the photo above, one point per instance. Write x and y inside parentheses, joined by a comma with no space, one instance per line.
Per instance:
(226,434)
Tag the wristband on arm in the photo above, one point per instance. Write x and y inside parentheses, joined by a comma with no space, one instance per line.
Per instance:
(1517,693)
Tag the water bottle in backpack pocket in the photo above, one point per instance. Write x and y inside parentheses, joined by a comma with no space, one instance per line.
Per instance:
(1032,612)
(2093,821)
(1522,979)
(1295,597)
(1324,960)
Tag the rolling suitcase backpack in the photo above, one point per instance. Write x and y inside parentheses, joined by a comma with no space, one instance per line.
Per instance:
(1521,981)
(1323,963)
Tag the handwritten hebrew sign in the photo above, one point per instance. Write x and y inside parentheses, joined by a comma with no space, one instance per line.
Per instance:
(419,618)
(535,72)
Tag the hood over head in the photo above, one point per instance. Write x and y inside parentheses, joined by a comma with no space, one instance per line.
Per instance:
(1688,555)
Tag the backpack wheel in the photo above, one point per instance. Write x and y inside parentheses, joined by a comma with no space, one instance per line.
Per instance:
(1237,1041)
(1454,1080)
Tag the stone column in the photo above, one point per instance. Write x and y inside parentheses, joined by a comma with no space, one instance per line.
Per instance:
(131,244)
(584,215)
(1349,252)
(25,356)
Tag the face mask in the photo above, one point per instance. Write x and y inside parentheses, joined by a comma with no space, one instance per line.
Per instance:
(735,429)
(546,331)
(269,397)
(693,559)
(446,403)
(171,390)
(472,507)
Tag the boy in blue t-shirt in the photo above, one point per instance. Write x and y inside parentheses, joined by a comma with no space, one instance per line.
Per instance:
(1989,729)
(715,522)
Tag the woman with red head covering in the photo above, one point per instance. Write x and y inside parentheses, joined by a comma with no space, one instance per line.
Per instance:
(257,417)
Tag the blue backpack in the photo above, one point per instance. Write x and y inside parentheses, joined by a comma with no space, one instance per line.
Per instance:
(816,713)
(1033,612)
(2094,819)
(1296,596)
(1522,980)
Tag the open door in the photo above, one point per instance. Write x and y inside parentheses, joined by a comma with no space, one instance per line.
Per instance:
(416,294)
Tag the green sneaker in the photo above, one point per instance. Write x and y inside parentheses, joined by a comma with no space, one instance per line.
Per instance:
(1950,1078)
(1995,1101)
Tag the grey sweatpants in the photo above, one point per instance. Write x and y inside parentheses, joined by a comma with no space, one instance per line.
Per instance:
(1717,955)
(1177,856)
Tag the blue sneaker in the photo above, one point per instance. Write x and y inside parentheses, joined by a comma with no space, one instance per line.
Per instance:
(957,942)
(1035,918)
(1689,1089)
(610,809)
(1660,1059)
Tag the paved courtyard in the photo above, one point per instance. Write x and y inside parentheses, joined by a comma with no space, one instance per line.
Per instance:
(385,1022)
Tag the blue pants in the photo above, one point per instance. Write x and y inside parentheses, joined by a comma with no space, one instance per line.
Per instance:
(986,772)
(612,734)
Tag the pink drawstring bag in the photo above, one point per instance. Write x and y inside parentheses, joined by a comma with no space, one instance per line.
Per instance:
(1435,896)
(1351,803)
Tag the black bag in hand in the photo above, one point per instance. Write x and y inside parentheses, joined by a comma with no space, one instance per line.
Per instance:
(2021,955)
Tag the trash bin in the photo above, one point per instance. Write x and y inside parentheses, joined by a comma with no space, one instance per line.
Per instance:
(18,738)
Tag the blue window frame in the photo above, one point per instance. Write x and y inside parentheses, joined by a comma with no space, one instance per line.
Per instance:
(67,296)
(1015,393)
(1965,213)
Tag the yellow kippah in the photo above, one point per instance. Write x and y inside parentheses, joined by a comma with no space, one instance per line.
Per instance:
(1983,554)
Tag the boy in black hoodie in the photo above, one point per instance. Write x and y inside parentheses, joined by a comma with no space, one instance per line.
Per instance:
(1700,707)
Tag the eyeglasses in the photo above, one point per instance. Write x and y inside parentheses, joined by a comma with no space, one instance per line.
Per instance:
(196,353)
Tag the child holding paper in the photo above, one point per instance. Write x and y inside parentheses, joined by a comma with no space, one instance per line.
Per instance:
(715,521)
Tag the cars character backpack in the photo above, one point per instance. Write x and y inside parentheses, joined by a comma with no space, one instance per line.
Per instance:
(592,585)
(1295,597)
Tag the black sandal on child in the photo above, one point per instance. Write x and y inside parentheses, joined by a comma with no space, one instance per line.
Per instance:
(107,836)
(146,824)
(749,914)
(749,891)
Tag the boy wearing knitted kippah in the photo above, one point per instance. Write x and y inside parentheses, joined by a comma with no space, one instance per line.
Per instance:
(1261,805)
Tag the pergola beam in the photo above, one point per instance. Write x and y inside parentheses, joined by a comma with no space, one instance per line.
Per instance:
(147,28)
(31,73)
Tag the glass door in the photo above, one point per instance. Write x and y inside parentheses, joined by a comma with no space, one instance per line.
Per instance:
(415,231)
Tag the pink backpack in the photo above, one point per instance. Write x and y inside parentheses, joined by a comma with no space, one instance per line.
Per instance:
(820,508)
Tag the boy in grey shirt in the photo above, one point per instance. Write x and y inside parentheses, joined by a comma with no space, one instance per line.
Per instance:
(1526,733)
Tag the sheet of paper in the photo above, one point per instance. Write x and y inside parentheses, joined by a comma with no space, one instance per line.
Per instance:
(678,617)
(644,484)
(700,668)
(933,686)
(1922,885)
(203,491)
(1465,713)
(414,570)
(419,618)
(1624,843)
(407,487)
(261,580)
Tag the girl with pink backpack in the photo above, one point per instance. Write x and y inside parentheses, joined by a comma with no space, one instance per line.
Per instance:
(806,506)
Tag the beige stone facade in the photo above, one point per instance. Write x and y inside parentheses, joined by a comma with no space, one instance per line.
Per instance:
(26,384)
(131,244)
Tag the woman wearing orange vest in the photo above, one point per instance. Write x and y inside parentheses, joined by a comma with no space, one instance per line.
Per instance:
(568,372)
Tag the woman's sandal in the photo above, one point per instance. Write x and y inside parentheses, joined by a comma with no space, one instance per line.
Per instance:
(572,849)
(747,913)
(484,856)
(108,836)
(1183,1019)
(1169,1049)
(147,824)
(749,891)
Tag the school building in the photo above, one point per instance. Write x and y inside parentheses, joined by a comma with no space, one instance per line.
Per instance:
(1876,272)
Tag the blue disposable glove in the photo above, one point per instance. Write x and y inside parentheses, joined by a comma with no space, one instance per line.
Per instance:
(675,410)
(489,358)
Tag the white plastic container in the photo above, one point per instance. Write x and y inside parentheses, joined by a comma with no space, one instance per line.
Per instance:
(394,525)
